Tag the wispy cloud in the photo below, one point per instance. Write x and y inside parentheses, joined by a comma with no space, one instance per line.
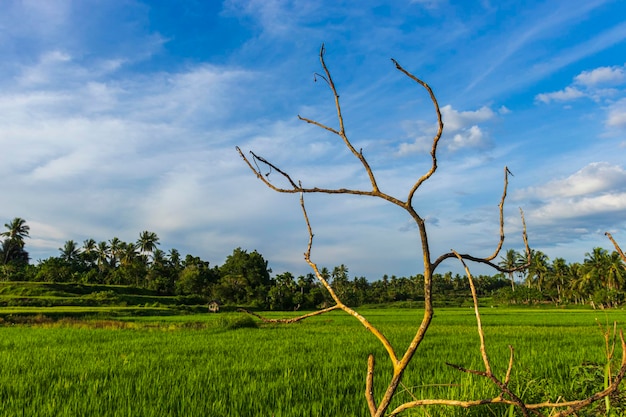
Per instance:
(540,24)
(616,116)
(567,94)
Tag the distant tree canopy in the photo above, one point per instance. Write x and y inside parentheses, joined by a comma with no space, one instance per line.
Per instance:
(12,248)
(245,278)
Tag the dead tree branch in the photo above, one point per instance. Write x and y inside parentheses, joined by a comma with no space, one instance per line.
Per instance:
(617,248)
(290,320)
(400,362)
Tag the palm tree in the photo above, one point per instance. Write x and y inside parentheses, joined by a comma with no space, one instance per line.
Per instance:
(538,269)
(509,262)
(580,286)
(89,253)
(159,257)
(69,252)
(560,276)
(103,255)
(17,230)
(13,245)
(128,253)
(114,251)
(147,241)
(89,245)
(596,266)
(616,272)
(174,258)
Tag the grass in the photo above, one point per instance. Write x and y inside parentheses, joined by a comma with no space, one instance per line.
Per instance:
(228,365)
(61,299)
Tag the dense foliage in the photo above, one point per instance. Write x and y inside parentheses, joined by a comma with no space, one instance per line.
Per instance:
(245,277)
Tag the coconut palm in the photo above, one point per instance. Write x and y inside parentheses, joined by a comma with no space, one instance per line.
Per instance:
(115,245)
(596,266)
(174,258)
(128,253)
(537,270)
(89,252)
(70,252)
(510,261)
(159,257)
(12,248)
(559,276)
(581,285)
(17,230)
(616,272)
(147,241)
(103,255)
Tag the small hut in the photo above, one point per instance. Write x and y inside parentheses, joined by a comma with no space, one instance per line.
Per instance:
(214,306)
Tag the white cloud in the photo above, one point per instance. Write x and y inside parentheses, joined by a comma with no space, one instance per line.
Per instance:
(504,110)
(569,93)
(50,64)
(597,177)
(472,137)
(460,131)
(589,201)
(616,116)
(602,75)
(455,120)
(420,145)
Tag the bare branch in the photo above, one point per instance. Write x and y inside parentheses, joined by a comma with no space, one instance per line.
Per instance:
(617,248)
(501,210)
(488,261)
(342,130)
(290,320)
(369,385)
(331,291)
(507,378)
(433,151)
(481,333)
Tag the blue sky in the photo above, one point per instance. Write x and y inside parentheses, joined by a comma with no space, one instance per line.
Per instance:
(123,116)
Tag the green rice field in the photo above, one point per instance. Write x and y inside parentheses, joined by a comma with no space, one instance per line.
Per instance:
(224,365)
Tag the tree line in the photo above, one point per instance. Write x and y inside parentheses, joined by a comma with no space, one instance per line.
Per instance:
(245,278)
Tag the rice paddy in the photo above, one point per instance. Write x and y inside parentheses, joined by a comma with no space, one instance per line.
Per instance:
(224,365)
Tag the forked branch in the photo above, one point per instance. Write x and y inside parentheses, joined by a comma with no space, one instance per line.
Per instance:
(399,363)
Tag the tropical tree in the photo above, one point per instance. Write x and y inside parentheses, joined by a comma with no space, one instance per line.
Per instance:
(596,266)
(89,252)
(128,253)
(538,268)
(12,247)
(17,230)
(615,272)
(147,242)
(174,258)
(70,252)
(245,276)
(581,286)
(102,251)
(511,260)
(560,277)
(115,245)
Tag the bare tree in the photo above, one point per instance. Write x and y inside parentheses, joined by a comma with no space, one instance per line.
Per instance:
(400,360)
